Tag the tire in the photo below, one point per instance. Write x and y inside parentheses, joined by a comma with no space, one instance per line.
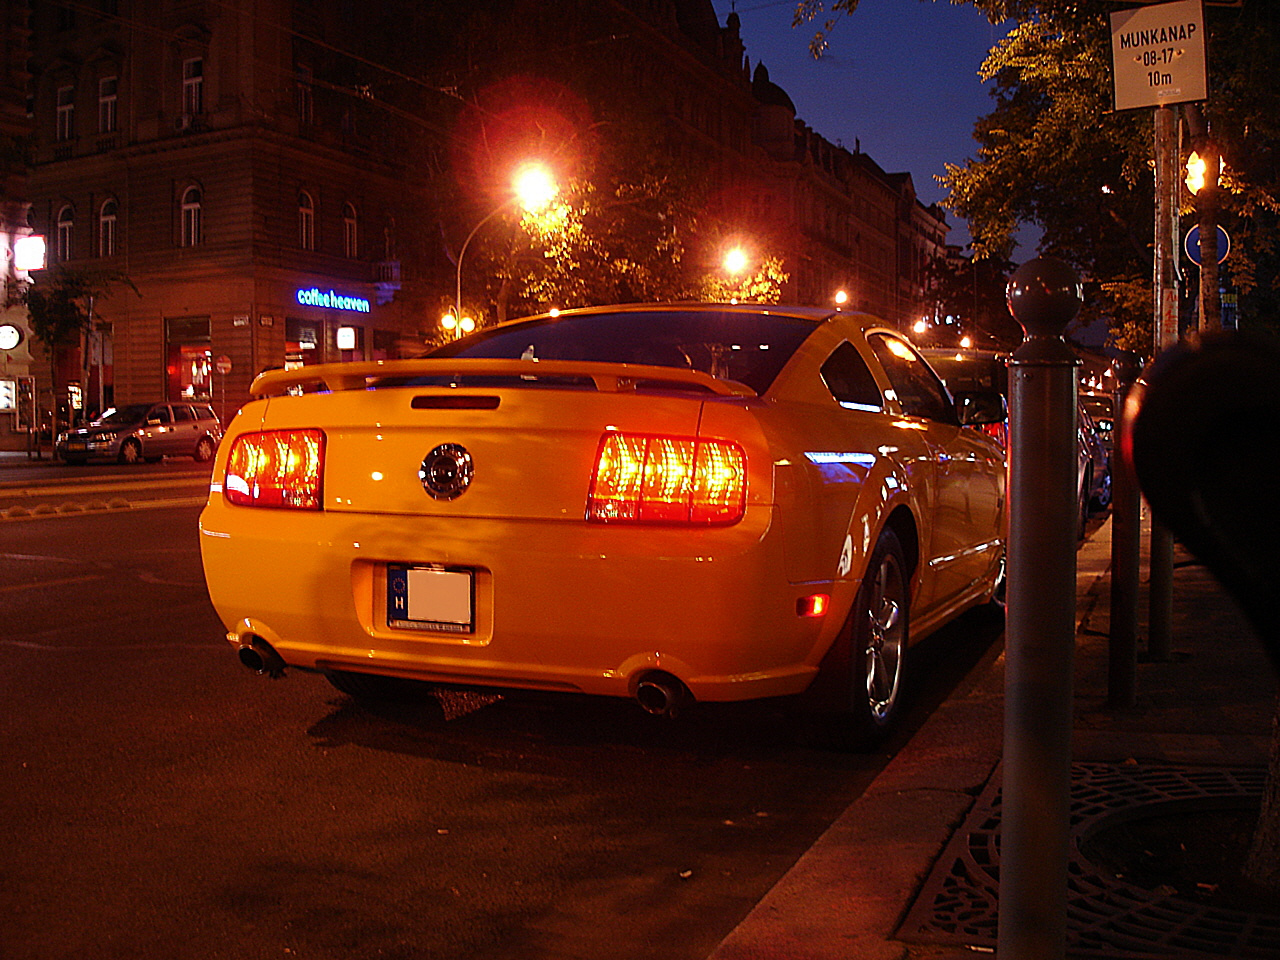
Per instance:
(204,450)
(130,452)
(373,688)
(873,660)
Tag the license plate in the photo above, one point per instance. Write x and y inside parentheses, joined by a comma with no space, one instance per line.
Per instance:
(432,598)
(75,445)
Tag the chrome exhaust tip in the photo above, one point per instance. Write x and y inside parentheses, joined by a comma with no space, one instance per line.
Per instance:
(260,657)
(662,695)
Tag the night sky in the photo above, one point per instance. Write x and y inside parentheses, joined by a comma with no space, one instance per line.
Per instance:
(899,80)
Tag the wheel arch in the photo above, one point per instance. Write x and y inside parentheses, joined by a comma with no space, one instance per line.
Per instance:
(903,523)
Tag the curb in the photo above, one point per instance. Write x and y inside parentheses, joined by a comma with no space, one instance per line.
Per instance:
(847,895)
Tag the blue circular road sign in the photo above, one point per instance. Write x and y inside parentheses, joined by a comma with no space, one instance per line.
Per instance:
(1193,244)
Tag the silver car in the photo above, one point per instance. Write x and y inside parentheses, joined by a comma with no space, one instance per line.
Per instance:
(145,431)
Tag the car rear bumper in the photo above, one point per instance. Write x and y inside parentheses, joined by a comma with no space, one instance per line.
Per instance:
(562,605)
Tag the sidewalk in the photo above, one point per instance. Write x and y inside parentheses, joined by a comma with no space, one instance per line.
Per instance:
(1209,706)
(19,458)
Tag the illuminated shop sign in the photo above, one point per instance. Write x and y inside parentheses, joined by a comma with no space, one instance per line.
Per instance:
(315,297)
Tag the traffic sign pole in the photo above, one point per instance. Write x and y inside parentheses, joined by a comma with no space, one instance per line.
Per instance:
(223,366)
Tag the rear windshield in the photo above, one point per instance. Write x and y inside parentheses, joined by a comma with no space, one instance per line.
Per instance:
(750,348)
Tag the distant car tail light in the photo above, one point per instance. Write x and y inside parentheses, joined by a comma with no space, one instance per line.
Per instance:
(654,479)
(278,468)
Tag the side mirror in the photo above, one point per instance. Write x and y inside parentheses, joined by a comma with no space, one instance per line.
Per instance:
(979,409)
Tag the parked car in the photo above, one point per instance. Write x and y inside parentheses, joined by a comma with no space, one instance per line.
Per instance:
(663,502)
(1101,409)
(977,371)
(145,431)
(1096,457)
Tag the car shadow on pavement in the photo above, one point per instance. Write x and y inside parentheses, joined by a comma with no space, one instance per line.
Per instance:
(526,731)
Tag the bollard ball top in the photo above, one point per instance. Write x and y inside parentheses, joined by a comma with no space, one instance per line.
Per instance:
(1044,295)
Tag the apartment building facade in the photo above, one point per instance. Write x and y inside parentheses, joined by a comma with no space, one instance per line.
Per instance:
(263,183)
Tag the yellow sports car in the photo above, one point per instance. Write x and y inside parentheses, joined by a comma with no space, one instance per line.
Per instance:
(664,502)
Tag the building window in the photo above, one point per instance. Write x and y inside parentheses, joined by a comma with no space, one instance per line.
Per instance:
(107,93)
(193,86)
(306,112)
(65,128)
(306,222)
(107,229)
(350,234)
(191,210)
(188,358)
(66,229)
(302,343)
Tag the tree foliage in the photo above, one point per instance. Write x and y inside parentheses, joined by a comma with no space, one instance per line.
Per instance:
(1054,153)
(59,307)
(630,226)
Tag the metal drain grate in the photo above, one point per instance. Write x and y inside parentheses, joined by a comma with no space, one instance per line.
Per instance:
(1106,917)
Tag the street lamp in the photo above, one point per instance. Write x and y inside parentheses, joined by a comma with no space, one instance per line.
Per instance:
(458,328)
(533,187)
(842,297)
(735,261)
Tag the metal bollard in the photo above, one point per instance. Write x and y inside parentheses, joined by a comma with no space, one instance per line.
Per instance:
(1126,554)
(1044,296)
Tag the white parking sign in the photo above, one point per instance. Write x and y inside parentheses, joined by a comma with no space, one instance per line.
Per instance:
(1157,55)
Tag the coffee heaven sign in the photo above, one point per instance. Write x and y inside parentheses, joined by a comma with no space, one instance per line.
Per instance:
(1157,55)
(315,297)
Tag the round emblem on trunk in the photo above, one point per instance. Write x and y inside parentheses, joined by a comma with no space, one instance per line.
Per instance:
(446,471)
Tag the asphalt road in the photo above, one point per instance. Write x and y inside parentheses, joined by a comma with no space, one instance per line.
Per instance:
(157,800)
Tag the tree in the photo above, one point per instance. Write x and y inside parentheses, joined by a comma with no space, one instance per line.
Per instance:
(59,309)
(630,226)
(972,291)
(1054,153)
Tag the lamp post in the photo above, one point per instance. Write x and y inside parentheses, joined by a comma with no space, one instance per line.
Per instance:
(532,188)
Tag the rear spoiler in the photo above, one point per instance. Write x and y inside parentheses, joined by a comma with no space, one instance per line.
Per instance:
(608,377)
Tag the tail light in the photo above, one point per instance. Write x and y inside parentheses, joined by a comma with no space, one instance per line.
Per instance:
(278,468)
(654,479)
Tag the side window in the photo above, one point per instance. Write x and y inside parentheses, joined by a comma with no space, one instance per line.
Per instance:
(204,413)
(182,412)
(918,388)
(160,413)
(849,379)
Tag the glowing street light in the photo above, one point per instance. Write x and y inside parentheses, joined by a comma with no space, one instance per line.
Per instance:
(533,187)
(921,325)
(842,297)
(458,328)
(966,342)
(735,261)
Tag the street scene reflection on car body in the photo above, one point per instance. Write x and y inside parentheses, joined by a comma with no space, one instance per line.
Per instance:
(668,503)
